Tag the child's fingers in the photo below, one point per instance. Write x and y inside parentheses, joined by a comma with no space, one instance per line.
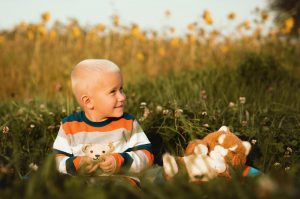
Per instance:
(91,168)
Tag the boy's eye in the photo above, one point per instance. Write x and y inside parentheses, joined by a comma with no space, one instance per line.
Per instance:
(103,151)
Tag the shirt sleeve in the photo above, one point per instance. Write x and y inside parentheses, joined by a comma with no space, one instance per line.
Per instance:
(66,162)
(139,155)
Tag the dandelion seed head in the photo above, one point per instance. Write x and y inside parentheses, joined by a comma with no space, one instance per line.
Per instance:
(5,130)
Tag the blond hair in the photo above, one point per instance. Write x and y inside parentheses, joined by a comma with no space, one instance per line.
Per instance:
(87,72)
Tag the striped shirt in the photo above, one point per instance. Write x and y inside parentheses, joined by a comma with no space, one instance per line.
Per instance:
(131,147)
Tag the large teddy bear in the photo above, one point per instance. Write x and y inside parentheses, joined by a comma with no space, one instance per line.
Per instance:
(209,157)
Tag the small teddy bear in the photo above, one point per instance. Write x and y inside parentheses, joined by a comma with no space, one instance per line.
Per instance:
(96,151)
(209,157)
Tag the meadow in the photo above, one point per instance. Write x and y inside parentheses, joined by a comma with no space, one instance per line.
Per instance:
(178,87)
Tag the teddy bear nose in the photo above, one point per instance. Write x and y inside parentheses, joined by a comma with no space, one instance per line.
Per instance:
(97,156)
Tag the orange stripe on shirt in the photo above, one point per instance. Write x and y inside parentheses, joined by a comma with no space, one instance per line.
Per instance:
(119,159)
(76,162)
(76,127)
(246,171)
(149,156)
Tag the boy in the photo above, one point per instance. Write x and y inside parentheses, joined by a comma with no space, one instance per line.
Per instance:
(98,87)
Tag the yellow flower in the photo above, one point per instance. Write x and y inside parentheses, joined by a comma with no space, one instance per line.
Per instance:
(231,16)
(264,16)
(23,25)
(175,42)
(172,29)
(224,49)
(207,17)
(135,31)
(191,27)
(116,20)
(41,30)
(45,16)
(168,13)
(246,24)
(140,56)
(288,25)
(162,51)
(100,27)
(191,39)
(52,35)
(2,39)
(30,35)
(76,32)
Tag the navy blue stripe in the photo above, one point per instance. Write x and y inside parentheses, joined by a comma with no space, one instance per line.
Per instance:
(62,152)
(70,167)
(140,147)
(73,117)
(127,160)
(80,117)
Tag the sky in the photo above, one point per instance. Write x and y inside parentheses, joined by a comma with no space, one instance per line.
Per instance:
(149,14)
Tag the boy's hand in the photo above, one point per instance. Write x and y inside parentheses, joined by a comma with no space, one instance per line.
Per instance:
(89,164)
(108,164)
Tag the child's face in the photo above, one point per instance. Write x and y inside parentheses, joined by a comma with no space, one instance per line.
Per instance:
(107,96)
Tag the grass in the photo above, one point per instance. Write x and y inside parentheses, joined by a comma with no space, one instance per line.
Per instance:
(257,98)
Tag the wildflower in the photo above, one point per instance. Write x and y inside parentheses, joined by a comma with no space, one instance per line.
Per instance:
(51,113)
(5,130)
(159,108)
(146,112)
(63,110)
(191,26)
(206,125)
(45,16)
(116,20)
(178,112)
(172,29)
(244,123)
(162,52)
(287,168)
(276,164)
(42,106)
(231,16)
(175,42)
(32,126)
(231,104)
(33,166)
(100,27)
(2,39)
(264,16)
(242,100)
(167,13)
(207,17)
(78,108)
(289,149)
(165,112)
(253,141)
(288,25)
(52,35)
(143,104)
(203,94)
(140,56)
(204,113)
(246,24)
(76,32)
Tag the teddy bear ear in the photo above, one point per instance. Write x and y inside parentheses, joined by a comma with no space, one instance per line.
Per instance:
(221,138)
(247,146)
(224,128)
(84,147)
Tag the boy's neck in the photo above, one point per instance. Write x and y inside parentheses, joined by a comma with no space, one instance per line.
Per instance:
(93,117)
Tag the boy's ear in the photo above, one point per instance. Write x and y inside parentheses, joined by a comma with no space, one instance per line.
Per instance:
(86,101)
